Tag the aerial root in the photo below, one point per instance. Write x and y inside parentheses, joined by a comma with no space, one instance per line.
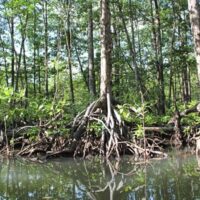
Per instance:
(112,127)
(114,139)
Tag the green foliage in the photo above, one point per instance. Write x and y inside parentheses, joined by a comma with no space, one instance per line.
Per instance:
(139,132)
(7,99)
(38,108)
(130,113)
(190,169)
(33,133)
(95,127)
(151,119)
(191,120)
(15,108)
(135,114)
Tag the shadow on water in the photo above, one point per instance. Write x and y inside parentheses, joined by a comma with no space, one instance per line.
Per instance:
(174,178)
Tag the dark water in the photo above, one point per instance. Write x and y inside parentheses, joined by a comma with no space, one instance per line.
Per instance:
(175,178)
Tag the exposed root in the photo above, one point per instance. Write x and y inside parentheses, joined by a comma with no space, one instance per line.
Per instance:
(103,112)
(113,140)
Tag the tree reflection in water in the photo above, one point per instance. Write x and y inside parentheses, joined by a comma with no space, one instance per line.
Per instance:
(174,178)
(69,180)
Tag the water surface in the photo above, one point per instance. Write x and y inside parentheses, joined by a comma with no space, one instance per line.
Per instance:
(175,178)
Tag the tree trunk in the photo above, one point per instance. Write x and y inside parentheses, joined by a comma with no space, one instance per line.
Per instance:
(12,52)
(34,53)
(5,62)
(116,54)
(85,78)
(104,102)
(113,126)
(171,71)
(134,54)
(25,72)
(106,48)
(46,48)
(68,41)
(58,56)
(194,10)
(92,86)
(39,72)
(23,35)
(185,84)
(131,45)
(157,43)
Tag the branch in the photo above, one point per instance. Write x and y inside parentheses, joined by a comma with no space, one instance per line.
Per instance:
(194,109)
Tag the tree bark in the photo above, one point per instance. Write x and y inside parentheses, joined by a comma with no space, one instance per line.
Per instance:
(12,52)
(34,53)
(171,71)
(131,45)
(23,35)
(133,51)
(68,41)
(106,48)
(85,78)
(39,73)
(113,126)
(25,71)
(194,10)
(116,54)
(157,43)
(5,62)
(92,86)
(46,48)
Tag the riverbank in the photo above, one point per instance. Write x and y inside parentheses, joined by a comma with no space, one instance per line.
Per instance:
(155,144)
(46,140)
